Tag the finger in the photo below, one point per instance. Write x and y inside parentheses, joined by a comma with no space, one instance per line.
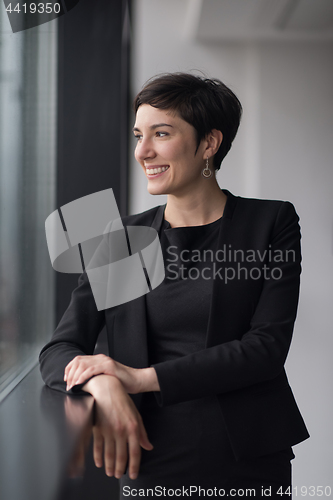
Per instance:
(67,369)
(76,373)
(143,439)
(134,451)
(109,455)
(121,457)
(87,373)
(73,375)
(71,368)
(74,361)
(98,447)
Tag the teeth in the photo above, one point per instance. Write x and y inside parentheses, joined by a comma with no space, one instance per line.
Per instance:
(157,170)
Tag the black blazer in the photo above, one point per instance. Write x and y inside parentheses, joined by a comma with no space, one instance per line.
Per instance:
(248,336)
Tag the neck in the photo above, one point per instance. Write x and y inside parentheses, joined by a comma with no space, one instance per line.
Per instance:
(197,208)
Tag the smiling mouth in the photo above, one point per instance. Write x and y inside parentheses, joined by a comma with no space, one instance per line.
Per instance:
(155,171)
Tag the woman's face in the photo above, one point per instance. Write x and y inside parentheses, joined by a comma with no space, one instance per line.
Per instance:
(166,146)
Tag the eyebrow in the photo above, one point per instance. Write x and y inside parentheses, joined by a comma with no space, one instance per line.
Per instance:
(153,127)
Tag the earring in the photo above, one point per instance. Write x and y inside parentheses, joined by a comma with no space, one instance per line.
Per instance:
(206,172)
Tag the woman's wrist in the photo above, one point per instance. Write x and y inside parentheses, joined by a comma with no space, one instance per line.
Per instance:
(136,380)
(96,384)
(148,380)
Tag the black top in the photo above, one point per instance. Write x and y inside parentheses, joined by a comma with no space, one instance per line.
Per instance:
(178,309)
(177,319)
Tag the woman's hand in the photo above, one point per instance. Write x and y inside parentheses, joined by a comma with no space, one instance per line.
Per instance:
(82,368)
(134,380)
(118,432)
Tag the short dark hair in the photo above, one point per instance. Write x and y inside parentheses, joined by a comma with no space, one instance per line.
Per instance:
(204,103)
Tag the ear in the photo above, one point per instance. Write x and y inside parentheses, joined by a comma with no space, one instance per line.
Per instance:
(214,140)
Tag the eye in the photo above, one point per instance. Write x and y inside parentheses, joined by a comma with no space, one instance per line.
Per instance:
(137,136)
(162,134)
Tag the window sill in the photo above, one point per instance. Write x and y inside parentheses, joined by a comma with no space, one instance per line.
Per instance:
(39,431)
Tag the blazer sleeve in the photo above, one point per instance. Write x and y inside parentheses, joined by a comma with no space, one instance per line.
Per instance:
(76,335)
(260,353)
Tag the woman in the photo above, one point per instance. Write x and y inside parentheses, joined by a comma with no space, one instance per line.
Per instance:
(203,353)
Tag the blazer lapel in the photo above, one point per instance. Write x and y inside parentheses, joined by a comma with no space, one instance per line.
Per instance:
(131,318)
(220,294)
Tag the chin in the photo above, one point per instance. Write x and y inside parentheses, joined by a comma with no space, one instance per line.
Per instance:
(155,190)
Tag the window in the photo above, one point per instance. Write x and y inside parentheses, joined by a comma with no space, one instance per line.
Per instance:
(28,72)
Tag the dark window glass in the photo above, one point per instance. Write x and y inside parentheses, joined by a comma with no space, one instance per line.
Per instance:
(27,194)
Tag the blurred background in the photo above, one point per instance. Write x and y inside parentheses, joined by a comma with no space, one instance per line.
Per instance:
(65,131)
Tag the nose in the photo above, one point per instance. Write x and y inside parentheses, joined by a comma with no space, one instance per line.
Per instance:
(144,150)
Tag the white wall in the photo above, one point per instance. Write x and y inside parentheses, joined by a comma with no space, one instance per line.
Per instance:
(283,150)
(296,120)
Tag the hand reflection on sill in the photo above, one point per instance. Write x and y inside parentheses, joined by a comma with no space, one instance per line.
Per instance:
(76,411)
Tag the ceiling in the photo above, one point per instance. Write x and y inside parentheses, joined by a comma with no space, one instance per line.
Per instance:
(246,20)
